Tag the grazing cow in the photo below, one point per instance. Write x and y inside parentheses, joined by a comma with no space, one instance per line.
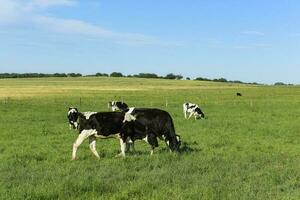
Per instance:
(238,94)
(93,125)
(193,110)
(149,124)
(118,106)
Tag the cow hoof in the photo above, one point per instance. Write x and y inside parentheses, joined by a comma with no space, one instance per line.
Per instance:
(119,155)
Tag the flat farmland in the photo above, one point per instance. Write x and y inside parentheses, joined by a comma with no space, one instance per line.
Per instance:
(247,148)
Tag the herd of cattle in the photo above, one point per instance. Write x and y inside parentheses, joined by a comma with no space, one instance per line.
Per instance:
(128,124)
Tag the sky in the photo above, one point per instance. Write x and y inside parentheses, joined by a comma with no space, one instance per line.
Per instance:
(246,40)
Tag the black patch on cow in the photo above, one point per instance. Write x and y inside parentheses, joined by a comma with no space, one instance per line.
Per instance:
(152,123)
(199,111)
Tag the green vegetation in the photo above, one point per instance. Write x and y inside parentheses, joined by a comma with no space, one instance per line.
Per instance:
(247,148)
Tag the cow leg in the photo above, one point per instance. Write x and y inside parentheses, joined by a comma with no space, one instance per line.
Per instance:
(92,142)
(81,137)
(123,147)
(190,115)
(152,140)
(129,144)
(132,146)
(185,114)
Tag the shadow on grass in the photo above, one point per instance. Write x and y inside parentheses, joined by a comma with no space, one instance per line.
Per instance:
(189,147)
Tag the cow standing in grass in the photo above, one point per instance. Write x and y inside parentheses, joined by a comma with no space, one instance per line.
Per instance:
(193,110)
(149,124)
(94,125)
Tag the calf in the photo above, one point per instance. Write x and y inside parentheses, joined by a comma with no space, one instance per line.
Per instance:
(118,106)
(193,110)
(94,124)
(238,94)
(149,124)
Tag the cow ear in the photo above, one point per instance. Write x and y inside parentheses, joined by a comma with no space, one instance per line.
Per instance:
(70,108)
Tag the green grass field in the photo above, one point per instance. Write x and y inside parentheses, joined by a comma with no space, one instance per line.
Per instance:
(247,148)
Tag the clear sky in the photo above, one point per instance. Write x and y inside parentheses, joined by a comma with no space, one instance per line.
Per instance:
(247,40)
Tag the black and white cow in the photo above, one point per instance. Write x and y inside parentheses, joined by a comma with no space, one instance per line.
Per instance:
(118,106)
(193,110)
(94,125)
(149,124)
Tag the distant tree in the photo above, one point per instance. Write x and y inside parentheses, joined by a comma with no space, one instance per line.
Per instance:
(116,74)
(74,74)
(101,74)
(236,81)
(188,78)
(202,79)
(279,83)
(173,76)
(179,77)
(147,75)
(60,75)
(220,80)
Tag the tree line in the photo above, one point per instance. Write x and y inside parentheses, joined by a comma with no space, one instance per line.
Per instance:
(170,76)
(113,74)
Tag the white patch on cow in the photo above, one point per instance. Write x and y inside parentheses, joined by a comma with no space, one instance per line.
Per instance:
(128,117)
(123,147)
(177,138)
(75,124)
(88,114)
(146,139)
(129,140)
(114,107)
(81,137)
(72,110)
(92,141)
(168,143)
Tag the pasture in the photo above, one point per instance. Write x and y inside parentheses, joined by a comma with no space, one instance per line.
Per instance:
(247,148)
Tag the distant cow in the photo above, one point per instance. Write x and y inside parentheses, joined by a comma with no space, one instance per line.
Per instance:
(193,110)
(118,106)
(93,125)
(239,94)
(149,124)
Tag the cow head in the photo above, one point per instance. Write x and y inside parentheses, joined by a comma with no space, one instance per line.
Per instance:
(199,114)
(72,117)
(174,143)
(113,105)
(118,106)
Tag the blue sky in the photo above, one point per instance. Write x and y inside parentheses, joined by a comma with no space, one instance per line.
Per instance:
(251,41)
